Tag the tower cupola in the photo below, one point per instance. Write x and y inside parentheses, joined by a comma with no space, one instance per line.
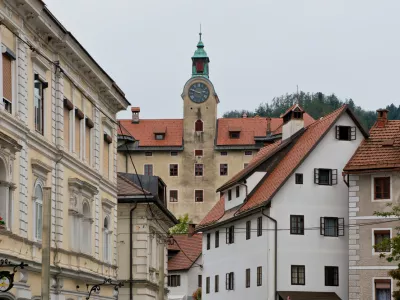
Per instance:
(200,60)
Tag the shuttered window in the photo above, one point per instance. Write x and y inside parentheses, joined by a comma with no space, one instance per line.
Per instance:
(325,176)
(106,159)
(77,136)
(7,83)
(87,143)
(66,128)
(330,226)
(381,188)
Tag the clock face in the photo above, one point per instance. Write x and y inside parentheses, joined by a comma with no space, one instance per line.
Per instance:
(198,92)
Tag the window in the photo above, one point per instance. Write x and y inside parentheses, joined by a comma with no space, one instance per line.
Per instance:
(38,211)
(208,241)
(173,170)
(297,115)
(207,285)
(259,226)
(224,153)
(245,165)
(247,278)
(383,290)
(248,152)
(216,284)
(230,234)
(216,239)
(230,281)
(88,132)
(331,276)
(259,276)
(325,176)
(234,134)
(198,126)
(198,170)
(237,191)
(346,133)
(199,281)
(174,153)
(39,103)
(86,229)
(379,237)
(7,83)
(332,226)
(159,136)
(198,152)
(248,230)
(106,241)
(299,178)
(298,275)
(148,170)
(229,195)
(381,188)
(296,224)
(174,280)
(106,154)
(223,169)
(148,153)
(173,196)
(198,196)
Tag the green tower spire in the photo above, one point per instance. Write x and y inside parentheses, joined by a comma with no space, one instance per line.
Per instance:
(200,60)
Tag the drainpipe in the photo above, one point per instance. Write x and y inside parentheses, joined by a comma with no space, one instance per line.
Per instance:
(346,181)
(130,252)
(276,251)
(126,162)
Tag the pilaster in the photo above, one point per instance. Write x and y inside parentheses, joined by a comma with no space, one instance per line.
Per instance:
(23,190)
(96,226)
(22,81)
(97,139)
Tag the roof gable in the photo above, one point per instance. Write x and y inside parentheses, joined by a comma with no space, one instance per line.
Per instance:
(191,246)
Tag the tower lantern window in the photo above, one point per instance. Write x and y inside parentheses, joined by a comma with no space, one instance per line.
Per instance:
(200,66)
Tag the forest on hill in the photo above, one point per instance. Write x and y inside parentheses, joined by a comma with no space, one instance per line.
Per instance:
(317,105)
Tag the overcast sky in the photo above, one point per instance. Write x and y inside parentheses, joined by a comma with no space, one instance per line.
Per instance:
(258,49)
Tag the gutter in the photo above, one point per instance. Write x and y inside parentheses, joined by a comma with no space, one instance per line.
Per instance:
(276,251)
(130,252)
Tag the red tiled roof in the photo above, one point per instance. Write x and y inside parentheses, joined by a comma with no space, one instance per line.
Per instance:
(380,151)
(292,108)
(145,129)
(128,188)
(192,247)
(288,164)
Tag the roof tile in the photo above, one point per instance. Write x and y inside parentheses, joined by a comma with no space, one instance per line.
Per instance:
(192,246)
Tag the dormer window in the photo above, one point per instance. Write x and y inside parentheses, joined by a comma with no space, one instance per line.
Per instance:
(297,115)
(234,132)
(159,136)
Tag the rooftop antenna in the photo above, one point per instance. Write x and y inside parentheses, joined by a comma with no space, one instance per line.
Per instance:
(297,96)
(200,32)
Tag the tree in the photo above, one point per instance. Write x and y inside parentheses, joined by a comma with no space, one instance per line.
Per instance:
(182,226)
(394,245)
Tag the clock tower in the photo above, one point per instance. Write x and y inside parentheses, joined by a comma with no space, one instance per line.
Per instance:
(199,170)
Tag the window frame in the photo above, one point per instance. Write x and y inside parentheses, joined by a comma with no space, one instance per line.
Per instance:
(172,282)
(208,241)
(202,196)
(199,281)
(297,274)
(259,276)
(248,278)
(8,103)
(207,285)
(38,230)
(351,134)
(248,152)
(248,230)
(296,230)
(335,276)
(230,281)
(259,226)
(172,171)
(198,152)
(43,86)
(332,176)
(148,153)
(176,199)
(377,280)
(229,194)
(223,167)
(373,188)
(216,283)
(224,153)
(230,234)
(174,153)
(299,178)
(159,136)
(234,135)
(198,170)
(106,241)
(339,229)
(374,230)
(197,125)
(216,242)
(152,169)
(237,190)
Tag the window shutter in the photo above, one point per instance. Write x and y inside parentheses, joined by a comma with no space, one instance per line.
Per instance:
(316,176)
(179,280)
(334,177)
(233,234)
(169,281)
(337,132)
(233,281)
(322,226)
(7,78)
(352,133)
(227,281)
(227,235)
(341,227)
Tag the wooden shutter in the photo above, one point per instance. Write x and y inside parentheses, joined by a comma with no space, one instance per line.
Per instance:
(7,78)
(87,145)
(227,235)
(66,128)
(179,280)
(334,176)
(233,234)
(106,158)
(233,280)
(341,227)
(316,176)
(169,280)
(322,226)
(337,132)
(352,133)
(77,135)
(227,281)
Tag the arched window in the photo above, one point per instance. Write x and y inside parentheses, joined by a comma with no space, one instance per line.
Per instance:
(106,240)
(198,126)
(86,233)
(38,210)
(4,195)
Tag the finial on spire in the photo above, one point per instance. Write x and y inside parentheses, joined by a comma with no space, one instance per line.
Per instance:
(200,32)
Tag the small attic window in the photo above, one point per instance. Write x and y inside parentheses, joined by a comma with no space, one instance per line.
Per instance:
(159,136)
(297,115)
(388,142)
(234,134)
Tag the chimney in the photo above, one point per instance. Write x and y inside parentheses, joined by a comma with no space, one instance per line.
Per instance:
(135,114)
(191,229)
(382,117)
(244,116)
(292,121)
(268,125)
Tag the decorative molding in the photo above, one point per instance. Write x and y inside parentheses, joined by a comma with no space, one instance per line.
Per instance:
(40,169)
(38,60)
(83,186)
(7,142)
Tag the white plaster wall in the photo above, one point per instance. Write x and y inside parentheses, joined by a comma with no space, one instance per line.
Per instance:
(193,273)
(238,257)
(252,181)
(314,201)
(291,128)
(179,291)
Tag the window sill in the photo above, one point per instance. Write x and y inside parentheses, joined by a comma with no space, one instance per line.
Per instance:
(382,200)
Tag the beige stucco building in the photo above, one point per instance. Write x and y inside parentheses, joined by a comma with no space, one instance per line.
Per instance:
(374,182)
(197,154)
(57,130)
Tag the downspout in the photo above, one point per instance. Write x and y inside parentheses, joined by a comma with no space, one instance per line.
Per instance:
(346,181)
(276,251)
(126,162)
(130,252)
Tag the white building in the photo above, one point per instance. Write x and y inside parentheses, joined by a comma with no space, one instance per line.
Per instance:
(184,266)
(294,186)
